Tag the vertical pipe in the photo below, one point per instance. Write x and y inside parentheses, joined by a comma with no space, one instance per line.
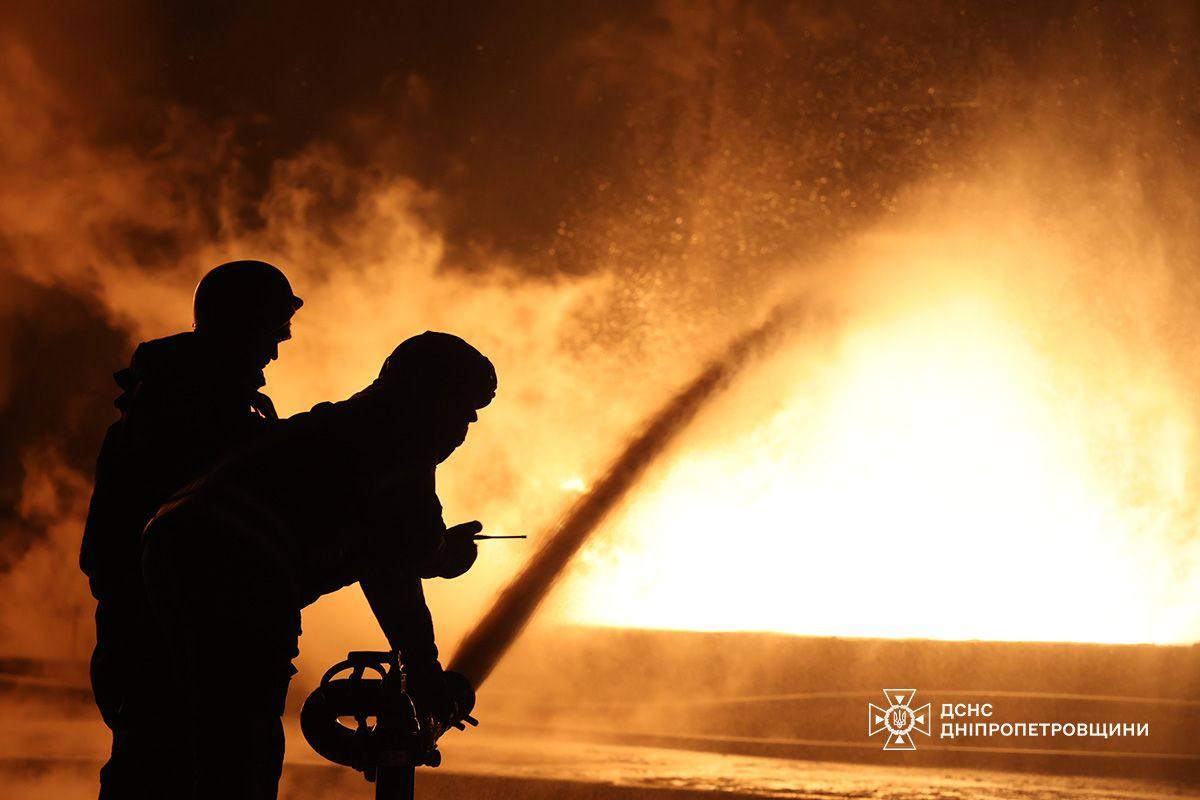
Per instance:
(395,783)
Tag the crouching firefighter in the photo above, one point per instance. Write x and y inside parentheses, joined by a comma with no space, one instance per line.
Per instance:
(343,493)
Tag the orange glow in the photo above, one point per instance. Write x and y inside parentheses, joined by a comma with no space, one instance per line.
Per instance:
(997,437)
(963,467)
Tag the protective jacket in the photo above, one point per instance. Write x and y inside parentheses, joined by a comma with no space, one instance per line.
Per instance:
(182,409)
(340,494)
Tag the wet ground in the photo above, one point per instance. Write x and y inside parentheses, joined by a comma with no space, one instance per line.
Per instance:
(567,735)
(52,755)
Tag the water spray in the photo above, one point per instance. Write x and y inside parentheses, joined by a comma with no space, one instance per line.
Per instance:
(494,634)
(390,737)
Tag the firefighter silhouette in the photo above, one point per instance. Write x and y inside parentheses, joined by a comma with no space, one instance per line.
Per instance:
(341,494)
(186,401)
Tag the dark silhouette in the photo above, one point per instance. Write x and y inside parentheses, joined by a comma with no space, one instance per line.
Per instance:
(491,637)
(187,400)
(342,493)
(389,738)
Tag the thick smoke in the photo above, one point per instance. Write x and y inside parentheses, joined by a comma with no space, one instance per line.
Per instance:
(493,635)
(598,197)
(1074,217)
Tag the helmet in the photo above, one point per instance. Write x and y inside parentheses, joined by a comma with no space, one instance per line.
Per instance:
(244,297)
(443,364)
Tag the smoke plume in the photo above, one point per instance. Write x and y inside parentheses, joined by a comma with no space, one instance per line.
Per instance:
(597,197)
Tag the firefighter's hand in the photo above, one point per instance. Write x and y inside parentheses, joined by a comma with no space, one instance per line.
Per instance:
(461,550)
(264,407)
(429,692)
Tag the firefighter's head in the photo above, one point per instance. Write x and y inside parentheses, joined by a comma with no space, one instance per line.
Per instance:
(246,307)
(444,381)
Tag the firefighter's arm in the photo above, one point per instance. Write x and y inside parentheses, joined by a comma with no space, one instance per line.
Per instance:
(408,527)
(398,603)
(453,553)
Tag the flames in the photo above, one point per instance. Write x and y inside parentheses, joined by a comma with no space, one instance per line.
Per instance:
(969,457)
(996,439)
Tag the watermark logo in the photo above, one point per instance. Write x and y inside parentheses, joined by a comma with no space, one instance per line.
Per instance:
(899,719)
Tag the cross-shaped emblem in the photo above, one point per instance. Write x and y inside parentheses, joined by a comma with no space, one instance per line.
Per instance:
(899,719)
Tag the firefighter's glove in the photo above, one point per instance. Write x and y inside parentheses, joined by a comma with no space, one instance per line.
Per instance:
(459,550)
(429,692)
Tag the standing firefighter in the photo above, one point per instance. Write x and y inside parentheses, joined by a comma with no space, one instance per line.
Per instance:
(340,494)
(187,400)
